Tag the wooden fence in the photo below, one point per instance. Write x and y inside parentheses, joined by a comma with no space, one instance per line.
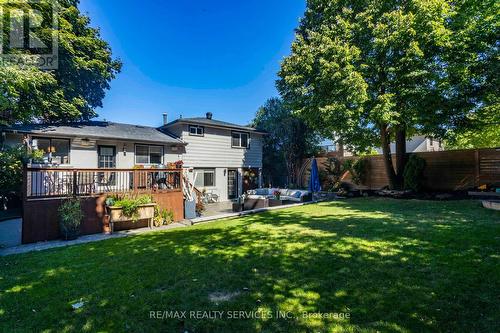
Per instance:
(451,170)
(45,189)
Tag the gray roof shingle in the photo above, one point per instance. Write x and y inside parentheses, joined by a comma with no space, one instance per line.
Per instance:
(211,122)
(99,129)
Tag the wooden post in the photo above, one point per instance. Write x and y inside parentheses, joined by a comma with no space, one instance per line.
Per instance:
(24,196)
(135,180)
(75,187)
(477,168)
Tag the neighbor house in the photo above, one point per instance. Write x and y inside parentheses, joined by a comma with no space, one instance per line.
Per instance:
(221,158)
(415,144)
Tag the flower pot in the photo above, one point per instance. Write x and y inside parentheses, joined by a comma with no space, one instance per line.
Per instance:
(70,235)
(106,227)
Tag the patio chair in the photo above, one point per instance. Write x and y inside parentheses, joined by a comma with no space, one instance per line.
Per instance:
(107,180)
(210,197)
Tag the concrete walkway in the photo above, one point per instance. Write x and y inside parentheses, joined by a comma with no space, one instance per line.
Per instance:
(125,233)
(84,239)
(246,212)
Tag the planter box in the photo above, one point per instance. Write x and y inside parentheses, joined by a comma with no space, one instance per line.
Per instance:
(144,212)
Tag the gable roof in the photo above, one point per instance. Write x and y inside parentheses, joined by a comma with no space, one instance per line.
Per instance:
(212,123)
(98,130)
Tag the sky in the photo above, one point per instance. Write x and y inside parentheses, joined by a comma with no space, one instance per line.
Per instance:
(193,56)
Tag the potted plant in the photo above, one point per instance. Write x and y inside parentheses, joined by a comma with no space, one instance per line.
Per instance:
(70,218)
(163,217)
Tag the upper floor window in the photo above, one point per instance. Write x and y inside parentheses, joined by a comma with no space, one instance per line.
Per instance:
(196,130)
(239,140)
(55,150)
(148,154)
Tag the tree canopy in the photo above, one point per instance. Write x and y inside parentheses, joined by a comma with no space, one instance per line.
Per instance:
(370,71)
(73,90)
(288,141)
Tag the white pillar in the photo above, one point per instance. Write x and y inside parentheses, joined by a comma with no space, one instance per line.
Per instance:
(260,177)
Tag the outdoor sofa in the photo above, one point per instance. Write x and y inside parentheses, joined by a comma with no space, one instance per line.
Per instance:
(262,197)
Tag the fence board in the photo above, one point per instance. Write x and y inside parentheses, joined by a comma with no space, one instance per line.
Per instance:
(444,171)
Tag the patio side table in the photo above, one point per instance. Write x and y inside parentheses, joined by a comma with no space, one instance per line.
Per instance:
(276,202)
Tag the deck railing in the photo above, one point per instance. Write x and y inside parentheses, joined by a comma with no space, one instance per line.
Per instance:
(59,182)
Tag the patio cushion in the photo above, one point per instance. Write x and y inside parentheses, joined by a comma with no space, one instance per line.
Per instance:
(255,196)
(290,198)
(261,191)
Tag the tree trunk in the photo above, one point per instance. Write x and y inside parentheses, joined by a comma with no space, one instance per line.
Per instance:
(400,155)
(386,151)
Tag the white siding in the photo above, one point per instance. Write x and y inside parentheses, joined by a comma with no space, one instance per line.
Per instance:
(214,150)
(220,187)
(125,158)
(86,157)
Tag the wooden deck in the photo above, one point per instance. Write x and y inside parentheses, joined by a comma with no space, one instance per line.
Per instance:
(46,188)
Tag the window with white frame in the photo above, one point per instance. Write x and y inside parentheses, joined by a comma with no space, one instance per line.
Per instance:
(196,130)
(204,177)
(239,140)
(145,154)
(55,151)
(106,156)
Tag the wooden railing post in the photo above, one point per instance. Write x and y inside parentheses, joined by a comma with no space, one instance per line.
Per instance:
(24,188)
(136,178)
(75,187)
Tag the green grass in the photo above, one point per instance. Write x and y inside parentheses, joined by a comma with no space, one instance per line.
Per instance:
(394,266)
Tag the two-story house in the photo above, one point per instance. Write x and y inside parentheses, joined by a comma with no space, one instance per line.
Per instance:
(222,158)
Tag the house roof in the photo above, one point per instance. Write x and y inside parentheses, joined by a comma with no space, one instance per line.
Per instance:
(212,123)
(98,129)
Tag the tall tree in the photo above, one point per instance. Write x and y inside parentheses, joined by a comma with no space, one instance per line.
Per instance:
(375,71)
(472,88)
(76,87)
(487,137)
(288,142)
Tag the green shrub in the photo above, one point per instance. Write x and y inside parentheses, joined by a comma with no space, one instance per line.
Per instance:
(413,172)
(360,168)
(12,160)
(163,216)
(357,168)
(331,174)
(70,218)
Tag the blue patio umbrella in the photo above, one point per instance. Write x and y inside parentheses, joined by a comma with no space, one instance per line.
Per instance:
(314,183)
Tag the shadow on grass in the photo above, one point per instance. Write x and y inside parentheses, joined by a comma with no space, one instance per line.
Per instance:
(394,266)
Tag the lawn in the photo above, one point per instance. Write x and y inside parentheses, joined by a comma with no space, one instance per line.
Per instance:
(356,265)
